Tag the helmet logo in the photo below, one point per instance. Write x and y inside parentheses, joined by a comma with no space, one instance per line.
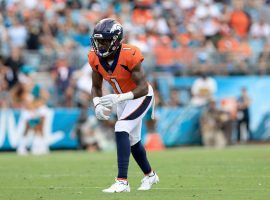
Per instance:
(116,27)
(98,35)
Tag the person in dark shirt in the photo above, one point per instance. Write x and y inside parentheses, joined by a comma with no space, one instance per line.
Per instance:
(14,64)
(33,37)
(243,115)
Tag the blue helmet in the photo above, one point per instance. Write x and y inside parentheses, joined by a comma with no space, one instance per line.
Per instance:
(107,37)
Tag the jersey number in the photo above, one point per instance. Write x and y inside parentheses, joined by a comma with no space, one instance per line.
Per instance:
(117,86)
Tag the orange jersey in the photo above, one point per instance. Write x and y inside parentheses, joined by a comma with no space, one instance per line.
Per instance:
(118,74)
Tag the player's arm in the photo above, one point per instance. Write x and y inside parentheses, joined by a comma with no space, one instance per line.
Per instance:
(96,84)
(138,77)
(96,91)
(96,94)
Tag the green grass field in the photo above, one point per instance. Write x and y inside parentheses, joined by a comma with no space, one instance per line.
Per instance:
(241,172)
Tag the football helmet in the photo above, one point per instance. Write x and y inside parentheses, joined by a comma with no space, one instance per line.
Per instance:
(107,37)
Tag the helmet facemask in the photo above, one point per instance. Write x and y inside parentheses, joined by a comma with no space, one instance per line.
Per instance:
(107,37)
(105,46)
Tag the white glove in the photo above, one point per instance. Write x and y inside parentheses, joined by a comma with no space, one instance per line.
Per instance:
(112,99)
(100,109)
(109,100)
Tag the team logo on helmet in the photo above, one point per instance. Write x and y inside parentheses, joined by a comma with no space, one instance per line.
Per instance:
(116,27)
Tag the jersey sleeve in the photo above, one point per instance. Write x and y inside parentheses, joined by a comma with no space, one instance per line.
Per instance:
(136,57)
(92,60)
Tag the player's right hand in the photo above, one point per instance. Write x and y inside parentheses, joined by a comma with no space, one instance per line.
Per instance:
(100,112)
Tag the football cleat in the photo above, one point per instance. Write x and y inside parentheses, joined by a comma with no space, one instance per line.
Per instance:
(148,181)
(118,186)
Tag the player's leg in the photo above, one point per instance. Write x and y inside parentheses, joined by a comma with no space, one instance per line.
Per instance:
(140,156)
(123,153)
(131,120)
(130,114)
(139,153)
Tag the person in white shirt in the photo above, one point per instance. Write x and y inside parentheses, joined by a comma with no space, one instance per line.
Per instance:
(203,89)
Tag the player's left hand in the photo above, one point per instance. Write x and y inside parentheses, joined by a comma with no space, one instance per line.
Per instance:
(109,100)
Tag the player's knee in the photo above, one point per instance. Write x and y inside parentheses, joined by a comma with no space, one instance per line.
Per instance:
(121,127)
(134,141)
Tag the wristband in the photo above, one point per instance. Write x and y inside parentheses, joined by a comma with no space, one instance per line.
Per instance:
(126,96)
(96,101)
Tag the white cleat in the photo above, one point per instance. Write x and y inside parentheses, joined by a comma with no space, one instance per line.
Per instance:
(148,181)
(118,186)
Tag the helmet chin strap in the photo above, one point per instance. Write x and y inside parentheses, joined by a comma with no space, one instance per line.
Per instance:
(105,54)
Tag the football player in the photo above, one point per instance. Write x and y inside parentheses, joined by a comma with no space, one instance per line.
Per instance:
(120,65)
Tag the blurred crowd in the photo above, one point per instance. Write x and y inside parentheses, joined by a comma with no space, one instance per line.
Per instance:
(222,36)
(45,43)
(179,37)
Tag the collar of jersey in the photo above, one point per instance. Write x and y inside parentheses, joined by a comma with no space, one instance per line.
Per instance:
(110,68)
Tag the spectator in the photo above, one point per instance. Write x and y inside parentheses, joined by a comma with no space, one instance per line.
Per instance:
(256,44)
(4,95)
(14,64)
(260,29)
(141,16)
(164,61)
(175,100)
(240,20)
(207,8)
(82,36)
(243,115)
(17,34)
(62,74)
(211,122)
(3,36)
(31,99)
(33,37)
(228,43)
(203,89)
(97,136)
(264,60)
(183,56)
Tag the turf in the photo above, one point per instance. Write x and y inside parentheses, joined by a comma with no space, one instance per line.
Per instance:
(241,172)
